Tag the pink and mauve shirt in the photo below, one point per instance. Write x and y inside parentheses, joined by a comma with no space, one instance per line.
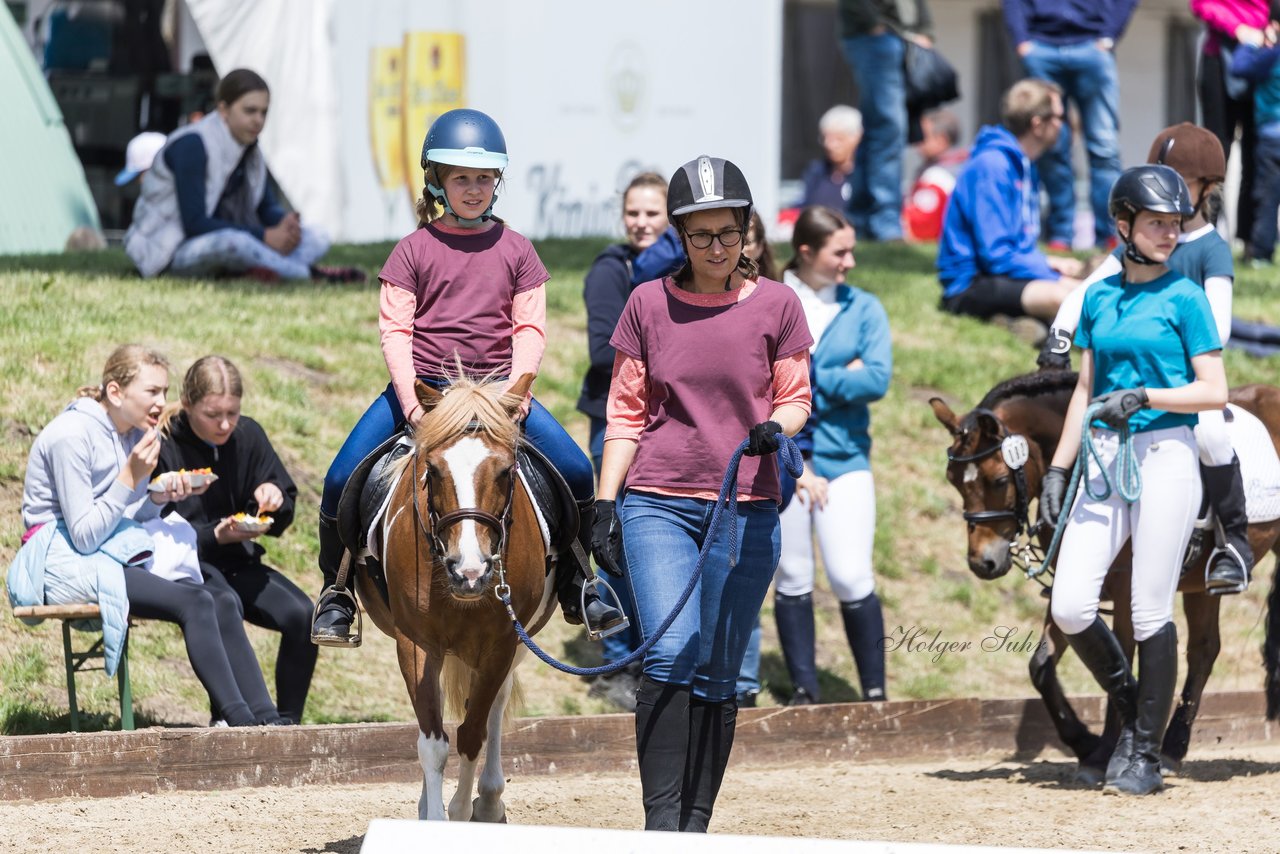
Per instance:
(476,294)
(709,368)
(1224,16)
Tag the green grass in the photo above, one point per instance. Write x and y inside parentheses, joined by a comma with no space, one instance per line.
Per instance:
(311,362)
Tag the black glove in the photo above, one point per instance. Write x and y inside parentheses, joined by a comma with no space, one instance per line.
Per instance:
(1053,490)
(606,538)
(1119,406)
(763,439)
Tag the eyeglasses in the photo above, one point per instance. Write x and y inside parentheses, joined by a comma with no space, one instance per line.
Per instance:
(702,239)
(1062,117)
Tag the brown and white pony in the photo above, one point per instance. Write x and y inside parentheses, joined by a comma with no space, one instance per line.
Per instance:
(458,524)
(1034,406)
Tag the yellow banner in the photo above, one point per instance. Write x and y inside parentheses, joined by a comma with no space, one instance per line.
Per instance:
(386,100)
(434,72)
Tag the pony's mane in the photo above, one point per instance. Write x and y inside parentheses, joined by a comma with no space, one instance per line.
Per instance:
(467,405)
(1030,385)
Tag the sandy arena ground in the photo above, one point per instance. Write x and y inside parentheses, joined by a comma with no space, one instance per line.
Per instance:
(1225,801)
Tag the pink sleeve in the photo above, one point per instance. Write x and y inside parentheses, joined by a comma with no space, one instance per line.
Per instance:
(1221,16)
(628,405)
(528,336)
(791,382)
(396,308)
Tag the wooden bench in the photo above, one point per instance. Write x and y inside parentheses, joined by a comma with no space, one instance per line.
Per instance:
(76,660)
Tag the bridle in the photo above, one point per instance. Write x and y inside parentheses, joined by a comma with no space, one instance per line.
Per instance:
(1014,452)
(434,524)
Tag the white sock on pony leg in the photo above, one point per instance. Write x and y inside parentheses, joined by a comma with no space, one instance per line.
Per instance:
(433,753)
(493,782)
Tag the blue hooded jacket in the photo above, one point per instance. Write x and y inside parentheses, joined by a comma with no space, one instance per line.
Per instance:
(993,218)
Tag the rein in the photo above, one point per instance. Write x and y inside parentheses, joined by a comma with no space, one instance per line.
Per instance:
(726,502)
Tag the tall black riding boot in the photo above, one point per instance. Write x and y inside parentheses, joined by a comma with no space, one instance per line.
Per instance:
(1231,563)
(1100,651)
(1157,673)
(711,729)
(796,635)
(573,574)
(336,609)
(662,747)
(864,627)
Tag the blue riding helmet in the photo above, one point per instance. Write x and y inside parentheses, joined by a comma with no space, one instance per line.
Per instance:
(466,138)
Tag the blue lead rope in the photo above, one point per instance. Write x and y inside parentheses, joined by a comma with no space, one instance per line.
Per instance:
(1127,483)
(726,503)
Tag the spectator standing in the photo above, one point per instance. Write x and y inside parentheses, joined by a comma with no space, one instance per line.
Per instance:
(206,430)
(605,292)
(941,161)
(829,180)
(1226,101)
(988,260)
(873,33)
(1072,43)
(1261,67)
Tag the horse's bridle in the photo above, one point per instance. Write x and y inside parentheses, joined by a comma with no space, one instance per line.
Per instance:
(1019,513)
(501,525)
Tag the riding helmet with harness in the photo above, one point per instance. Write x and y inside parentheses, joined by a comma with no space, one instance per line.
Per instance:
(467,138)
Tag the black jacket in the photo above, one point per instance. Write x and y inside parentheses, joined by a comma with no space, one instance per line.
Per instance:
(606,290)
(242,464)
(859,17)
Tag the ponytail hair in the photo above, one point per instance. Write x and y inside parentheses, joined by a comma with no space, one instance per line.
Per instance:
(122,367)
(207,375)
(766,262)
(814,228)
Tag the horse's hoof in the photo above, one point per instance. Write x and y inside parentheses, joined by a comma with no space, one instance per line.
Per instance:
(1089,775)
(477,809)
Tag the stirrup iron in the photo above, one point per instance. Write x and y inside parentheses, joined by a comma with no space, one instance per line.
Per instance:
(593,635)
(354,634)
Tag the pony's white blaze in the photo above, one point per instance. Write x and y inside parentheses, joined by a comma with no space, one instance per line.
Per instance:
(970,473)
(464,459)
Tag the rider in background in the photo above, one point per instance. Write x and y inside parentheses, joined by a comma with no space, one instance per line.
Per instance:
(1153,359)
(706,358)
(206,430)
(1205,258)
(461,288)
(852,364)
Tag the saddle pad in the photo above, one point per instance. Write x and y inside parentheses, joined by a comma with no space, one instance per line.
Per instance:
(1259,465)
(537,511)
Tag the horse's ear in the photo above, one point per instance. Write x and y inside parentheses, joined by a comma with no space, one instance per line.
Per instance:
(945,416)
(427,396)
(513,398)
(989,425)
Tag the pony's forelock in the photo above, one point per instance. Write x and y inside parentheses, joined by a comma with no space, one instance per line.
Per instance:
(467,405)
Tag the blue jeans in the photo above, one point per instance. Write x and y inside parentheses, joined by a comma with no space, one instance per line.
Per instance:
(383,419)
(619,646)
(1087,75)
(749,673)
(1266,197)
(875,208)
(704,646)
(231,250)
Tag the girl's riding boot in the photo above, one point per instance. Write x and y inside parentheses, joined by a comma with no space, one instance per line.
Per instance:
(796,636)
(1100,651)
(1230,563)
(662,747)
(576,584)
(336,610)
(864,627)
(711,729)
(1157,672)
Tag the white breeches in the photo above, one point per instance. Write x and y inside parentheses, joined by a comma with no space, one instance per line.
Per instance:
(846,529)
(1213,439)
(1159,523)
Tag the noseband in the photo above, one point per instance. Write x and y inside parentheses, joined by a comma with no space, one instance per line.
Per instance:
(435,524)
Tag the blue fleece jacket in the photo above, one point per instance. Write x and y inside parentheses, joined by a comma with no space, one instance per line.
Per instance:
(842,418)
(663,258)
(1064,22)
(1261,65)
(993,219)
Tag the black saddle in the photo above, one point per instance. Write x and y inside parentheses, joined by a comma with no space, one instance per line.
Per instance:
(367,488)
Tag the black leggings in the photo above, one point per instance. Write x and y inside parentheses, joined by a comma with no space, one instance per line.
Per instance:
(213,629)
(272,601)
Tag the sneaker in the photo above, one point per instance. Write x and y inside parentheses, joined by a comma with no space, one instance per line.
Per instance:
(748,699)
(262,274)
(1059,246)
(1108,244)
(217,723)
(1259,264)
(337,275)
(617,689)
(801,697)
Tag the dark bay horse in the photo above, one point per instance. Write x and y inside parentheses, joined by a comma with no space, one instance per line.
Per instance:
(996,509)
(459,523)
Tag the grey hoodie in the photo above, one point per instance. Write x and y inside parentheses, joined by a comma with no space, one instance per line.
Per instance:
(71,476)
